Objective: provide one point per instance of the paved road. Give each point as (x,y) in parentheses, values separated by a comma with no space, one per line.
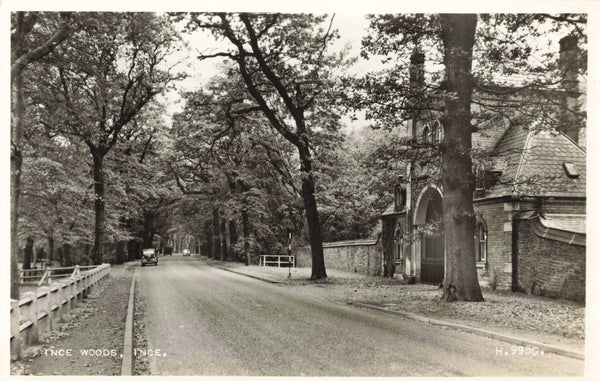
(209,321)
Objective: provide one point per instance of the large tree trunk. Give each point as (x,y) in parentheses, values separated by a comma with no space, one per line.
(224,246)
(40,256)
(232,238)
(28,253)
(149,231)
(209,239)
(66,255)
(216,234)
(133,250)
(16,162)
(98,206)
(50,248)
(246,232)
(119,252)
(460,283)
(312,216)
(16,156)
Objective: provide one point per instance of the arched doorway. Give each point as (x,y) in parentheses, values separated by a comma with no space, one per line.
(430,217)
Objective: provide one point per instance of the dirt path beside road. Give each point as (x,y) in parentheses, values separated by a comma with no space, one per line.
(90,341)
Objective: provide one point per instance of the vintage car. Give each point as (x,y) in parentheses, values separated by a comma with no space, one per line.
(149,256)
(186,252)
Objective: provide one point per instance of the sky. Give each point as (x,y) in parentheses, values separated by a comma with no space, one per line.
(352,27)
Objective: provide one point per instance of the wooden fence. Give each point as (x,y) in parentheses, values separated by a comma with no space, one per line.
(40,311)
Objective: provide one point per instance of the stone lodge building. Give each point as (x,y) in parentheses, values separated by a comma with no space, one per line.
(530,206)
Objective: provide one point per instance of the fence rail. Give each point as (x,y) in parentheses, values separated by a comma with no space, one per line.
(40,310)
(40,276)
(287,260)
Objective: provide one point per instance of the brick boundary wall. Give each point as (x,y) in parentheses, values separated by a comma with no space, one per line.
(549,267)
(359,256)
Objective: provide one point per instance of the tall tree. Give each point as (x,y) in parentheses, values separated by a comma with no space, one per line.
(458,37)
(219,159)
(27,46)
(494,56)
(287,70)
(98,83)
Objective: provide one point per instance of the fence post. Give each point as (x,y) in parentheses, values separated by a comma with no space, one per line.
(44,277)
(43,310)
(65,300)
(30,315)
(16,341)
(54,306)
(79,289)
(84,285)
(73,293)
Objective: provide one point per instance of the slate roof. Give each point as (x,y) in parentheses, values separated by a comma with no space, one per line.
(535,164)
(486,139)
(532,163)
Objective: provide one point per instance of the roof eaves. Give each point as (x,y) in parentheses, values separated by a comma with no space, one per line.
(572,238)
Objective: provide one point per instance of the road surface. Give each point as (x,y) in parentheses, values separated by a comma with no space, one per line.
(206,321)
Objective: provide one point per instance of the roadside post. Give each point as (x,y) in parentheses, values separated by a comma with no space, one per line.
(289,250)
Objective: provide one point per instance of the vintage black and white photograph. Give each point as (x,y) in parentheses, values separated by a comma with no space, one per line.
(306,193)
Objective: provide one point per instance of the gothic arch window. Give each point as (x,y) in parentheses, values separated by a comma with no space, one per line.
(481,238)
(426,134)
(436,132)
(399,244)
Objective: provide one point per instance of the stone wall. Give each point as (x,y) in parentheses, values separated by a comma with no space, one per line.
(498,215)
(549,267)
(359,256)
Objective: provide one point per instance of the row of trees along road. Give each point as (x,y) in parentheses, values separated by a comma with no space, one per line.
(219,157)
(239,172)
(287,70)
(260,144)
(83,78)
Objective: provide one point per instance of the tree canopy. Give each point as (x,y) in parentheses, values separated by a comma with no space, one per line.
(101,166)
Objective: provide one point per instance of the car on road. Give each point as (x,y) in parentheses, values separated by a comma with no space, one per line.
(168,250)
(186,252)
(149,256)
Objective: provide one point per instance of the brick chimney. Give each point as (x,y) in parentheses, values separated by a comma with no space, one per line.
(417,67)
(567,61)
(417,85)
